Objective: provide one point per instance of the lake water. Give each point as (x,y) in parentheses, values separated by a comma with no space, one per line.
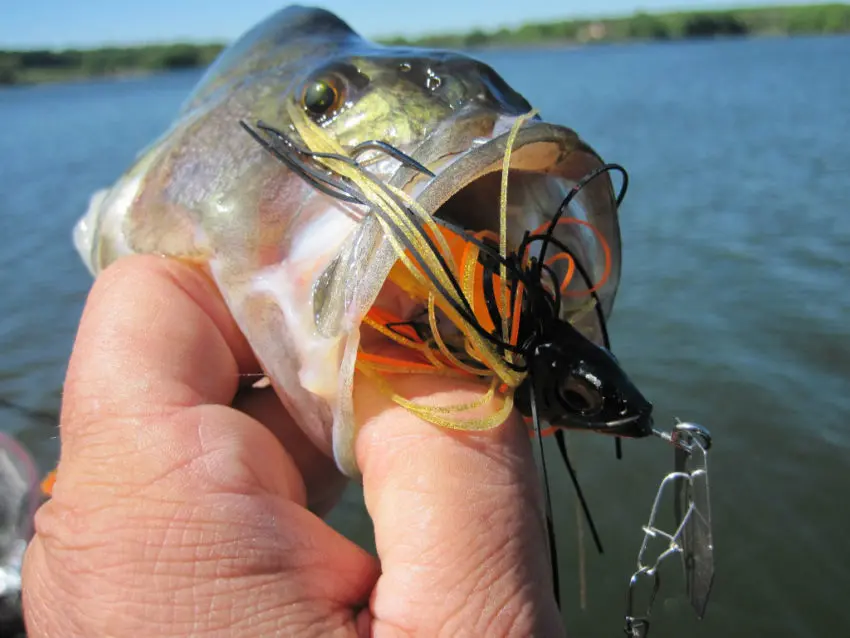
(734,308)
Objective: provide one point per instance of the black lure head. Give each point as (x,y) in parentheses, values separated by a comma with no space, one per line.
(581,386)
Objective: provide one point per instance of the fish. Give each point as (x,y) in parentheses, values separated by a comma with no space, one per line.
(385,210)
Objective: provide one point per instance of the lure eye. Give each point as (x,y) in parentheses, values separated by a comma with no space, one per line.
(320,97)
(580,396)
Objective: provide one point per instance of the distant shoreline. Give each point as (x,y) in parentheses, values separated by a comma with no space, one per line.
(37,79)
(44,66)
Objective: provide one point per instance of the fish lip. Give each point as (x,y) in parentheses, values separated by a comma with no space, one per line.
(559,152)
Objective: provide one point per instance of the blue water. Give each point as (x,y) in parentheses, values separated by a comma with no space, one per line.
(734,308)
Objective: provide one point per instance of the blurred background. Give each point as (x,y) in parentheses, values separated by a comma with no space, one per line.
(734,306)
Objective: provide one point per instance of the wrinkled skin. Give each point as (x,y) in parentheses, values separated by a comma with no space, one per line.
(180,503)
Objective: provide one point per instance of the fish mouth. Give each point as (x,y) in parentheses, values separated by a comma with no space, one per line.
(547,162)
(539,148)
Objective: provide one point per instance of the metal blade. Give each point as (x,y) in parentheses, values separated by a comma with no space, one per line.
(691,456)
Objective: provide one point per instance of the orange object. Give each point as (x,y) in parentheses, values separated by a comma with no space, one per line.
(605,249)
(463,252)
(544,432)
(48,482)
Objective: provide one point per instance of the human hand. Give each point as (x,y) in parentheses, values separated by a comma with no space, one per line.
(180,506)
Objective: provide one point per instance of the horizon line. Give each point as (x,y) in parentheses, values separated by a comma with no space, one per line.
(701,7)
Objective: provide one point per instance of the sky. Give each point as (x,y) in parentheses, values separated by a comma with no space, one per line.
(28,24)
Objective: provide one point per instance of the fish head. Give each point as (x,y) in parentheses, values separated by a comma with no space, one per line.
(453,114)
(580,385)
(401,96)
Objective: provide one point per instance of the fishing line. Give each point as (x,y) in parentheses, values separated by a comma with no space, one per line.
(550,519)
(562,448)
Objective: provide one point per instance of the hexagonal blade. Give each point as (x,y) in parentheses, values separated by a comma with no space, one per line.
(696,538)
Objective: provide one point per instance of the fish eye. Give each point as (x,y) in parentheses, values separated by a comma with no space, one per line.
(320,97)
(580,396)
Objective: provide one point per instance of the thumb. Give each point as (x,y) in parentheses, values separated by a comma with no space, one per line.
(458,521)
(174,514)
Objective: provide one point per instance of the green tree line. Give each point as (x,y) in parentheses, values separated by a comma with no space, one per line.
(780,20)
(40,66)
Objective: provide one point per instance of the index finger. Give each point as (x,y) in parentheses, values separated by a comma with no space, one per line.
(458,520)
